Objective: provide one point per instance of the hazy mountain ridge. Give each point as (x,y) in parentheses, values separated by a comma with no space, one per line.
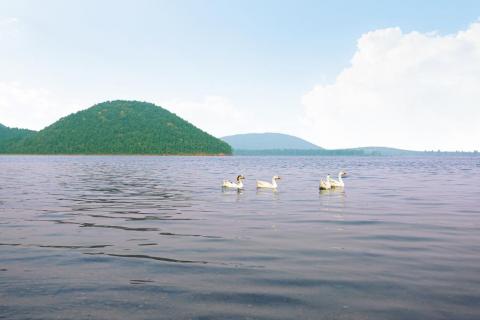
(246,144)
(268,141)
(367,151)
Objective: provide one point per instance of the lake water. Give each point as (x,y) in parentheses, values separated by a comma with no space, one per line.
(156,238)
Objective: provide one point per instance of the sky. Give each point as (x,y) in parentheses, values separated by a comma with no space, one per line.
(340,74)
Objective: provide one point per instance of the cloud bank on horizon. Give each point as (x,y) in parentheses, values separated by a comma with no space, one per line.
(412,90)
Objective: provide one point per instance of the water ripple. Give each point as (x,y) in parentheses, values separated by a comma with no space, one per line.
(157,238)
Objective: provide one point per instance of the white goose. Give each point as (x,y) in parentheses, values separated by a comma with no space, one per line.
(325,184)
(234,185)
(265,184)
(338,183)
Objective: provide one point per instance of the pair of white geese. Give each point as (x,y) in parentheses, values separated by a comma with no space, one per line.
(327,184)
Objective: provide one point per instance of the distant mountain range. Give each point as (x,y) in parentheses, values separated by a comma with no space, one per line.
(268,141)
(115,127)
(282,144)
(133,127)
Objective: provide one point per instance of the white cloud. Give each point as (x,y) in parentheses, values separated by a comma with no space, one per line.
(8,27)
(216,115)
(8,21)
(410,90)
(32,108)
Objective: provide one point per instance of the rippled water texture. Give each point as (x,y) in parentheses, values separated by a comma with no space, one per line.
(157,238)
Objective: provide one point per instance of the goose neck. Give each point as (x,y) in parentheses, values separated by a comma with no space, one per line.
(274,182)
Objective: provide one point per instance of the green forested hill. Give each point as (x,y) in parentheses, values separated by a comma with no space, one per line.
(121,127)
(10,136)
(7,133)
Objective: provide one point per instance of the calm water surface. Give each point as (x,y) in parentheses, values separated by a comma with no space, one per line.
(157,238)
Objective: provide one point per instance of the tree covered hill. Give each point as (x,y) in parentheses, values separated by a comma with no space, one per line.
(7,133)
(121,127)
(10,136)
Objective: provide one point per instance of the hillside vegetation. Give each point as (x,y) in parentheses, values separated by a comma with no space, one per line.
(10,136)
(120,127)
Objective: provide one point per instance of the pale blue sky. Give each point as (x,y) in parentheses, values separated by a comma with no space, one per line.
(259,57)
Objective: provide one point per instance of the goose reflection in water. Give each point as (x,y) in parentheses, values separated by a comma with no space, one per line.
(230,193)
(268,193)
(339,192)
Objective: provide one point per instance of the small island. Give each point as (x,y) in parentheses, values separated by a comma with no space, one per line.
(115,127)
